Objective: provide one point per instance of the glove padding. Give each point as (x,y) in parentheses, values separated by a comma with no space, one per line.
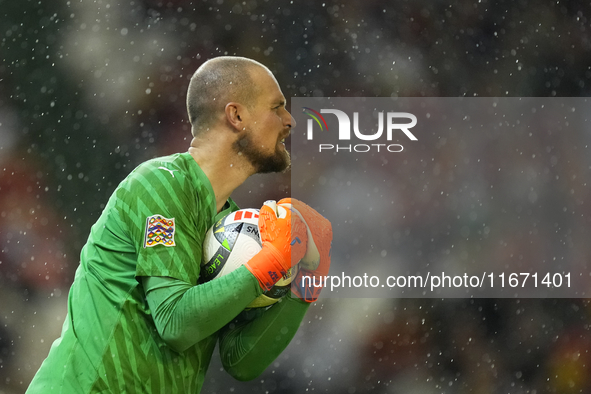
(284,239)
(315,262)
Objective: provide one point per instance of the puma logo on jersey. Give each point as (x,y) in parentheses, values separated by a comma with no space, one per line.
(167,169)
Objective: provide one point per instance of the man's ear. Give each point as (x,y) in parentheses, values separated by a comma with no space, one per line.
(235,113)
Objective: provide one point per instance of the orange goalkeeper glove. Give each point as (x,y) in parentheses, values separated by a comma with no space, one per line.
(316,261)
(284,238)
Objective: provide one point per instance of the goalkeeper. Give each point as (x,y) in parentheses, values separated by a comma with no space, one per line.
(138,321)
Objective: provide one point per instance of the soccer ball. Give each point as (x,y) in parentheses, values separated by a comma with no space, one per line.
(230,243)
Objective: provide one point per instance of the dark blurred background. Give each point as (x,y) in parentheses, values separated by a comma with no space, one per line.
(89,89)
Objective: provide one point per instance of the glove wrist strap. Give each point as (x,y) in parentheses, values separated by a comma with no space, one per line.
(268,266)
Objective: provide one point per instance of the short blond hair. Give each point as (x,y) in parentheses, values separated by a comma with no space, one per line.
(217,82)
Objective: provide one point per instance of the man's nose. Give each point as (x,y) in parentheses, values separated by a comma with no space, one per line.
(290,120)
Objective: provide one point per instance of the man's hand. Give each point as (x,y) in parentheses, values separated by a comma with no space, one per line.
(284,238)
(315,263)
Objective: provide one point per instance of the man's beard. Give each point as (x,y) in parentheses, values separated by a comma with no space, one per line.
(278,161)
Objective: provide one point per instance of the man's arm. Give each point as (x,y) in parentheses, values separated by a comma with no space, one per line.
(247,348)
(185,314)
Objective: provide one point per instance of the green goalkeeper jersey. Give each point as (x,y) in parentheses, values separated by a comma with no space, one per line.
(153,226)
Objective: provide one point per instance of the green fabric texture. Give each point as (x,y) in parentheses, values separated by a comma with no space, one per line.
(249,343)
(154,225)
(185,314)
(248,347)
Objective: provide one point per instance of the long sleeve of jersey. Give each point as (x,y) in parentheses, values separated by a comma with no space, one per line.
(249,345)
(186,314)
(249,342)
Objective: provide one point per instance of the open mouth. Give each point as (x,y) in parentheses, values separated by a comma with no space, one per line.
(282,140)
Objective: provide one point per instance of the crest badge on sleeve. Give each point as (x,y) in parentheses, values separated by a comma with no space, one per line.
(159,231)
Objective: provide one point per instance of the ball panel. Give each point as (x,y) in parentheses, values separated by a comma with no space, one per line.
(214,266)
(228,234)
(247,215)
(244,249)
(252,231)
(232,242)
